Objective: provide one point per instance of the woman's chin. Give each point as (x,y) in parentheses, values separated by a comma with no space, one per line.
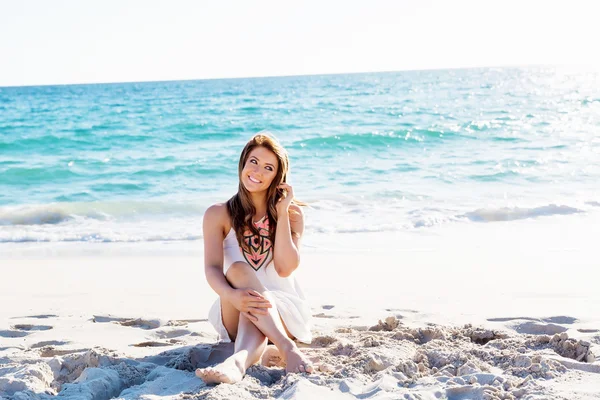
(253,189)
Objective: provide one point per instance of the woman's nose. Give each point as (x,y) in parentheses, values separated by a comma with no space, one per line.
(256,170)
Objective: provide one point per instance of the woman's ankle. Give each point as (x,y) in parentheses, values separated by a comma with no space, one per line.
(286,345)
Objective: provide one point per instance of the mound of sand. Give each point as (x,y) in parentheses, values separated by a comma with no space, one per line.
(387,360)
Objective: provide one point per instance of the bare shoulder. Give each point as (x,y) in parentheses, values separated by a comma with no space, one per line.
(217,210)
(216,215)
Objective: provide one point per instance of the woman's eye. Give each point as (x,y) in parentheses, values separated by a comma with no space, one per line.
(269,168)
(253,161)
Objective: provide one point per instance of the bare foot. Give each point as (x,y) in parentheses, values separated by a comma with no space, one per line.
(229,371)
(297,362)
(271,357)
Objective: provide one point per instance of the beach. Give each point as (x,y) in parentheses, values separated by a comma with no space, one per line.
(482,315)
(449,249)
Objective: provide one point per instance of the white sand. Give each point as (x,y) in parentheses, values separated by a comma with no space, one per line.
(473,311)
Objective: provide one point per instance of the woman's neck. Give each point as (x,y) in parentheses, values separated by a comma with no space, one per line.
(259,201)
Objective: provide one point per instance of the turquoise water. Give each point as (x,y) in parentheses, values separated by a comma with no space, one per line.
(370,152)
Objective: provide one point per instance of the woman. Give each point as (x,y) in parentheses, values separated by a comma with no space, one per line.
(251,249)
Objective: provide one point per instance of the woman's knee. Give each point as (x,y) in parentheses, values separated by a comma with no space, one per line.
(240,274)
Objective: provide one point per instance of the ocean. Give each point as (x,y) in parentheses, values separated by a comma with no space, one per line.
(373,152)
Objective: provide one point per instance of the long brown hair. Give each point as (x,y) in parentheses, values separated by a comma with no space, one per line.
(240,207)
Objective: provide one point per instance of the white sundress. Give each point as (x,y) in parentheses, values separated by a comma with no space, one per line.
(289,299)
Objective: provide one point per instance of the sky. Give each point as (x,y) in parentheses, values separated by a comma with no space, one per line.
(73,41)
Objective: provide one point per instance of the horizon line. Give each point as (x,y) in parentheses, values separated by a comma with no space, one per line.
(286,76)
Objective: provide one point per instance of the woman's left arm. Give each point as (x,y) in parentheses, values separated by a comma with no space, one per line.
(290,227)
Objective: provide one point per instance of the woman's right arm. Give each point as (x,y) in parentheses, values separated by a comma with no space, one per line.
(213,230)
(248,301)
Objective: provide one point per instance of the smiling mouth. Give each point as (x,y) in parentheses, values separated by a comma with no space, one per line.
(253,180)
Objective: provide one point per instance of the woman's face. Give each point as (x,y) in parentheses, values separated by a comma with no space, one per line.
(259,170)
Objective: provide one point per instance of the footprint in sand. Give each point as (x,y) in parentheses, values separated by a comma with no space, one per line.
(406,310)
(507,319)
(22,330)
(133,322)
(142,323)
(164,334)
(28,327)
(152,344)
(323,315)
(10,347)
(40,316)
(536,328)
(559,319)
(49,343)
(52,352)
(183,322)
(13,334)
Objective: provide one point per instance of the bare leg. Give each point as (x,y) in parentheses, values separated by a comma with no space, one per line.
(251,336)
(249,346)
(241,275)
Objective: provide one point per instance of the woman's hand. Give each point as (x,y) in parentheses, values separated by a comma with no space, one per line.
(284,202)
(249,302)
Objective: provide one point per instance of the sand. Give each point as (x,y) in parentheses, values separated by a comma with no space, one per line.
(471,312)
